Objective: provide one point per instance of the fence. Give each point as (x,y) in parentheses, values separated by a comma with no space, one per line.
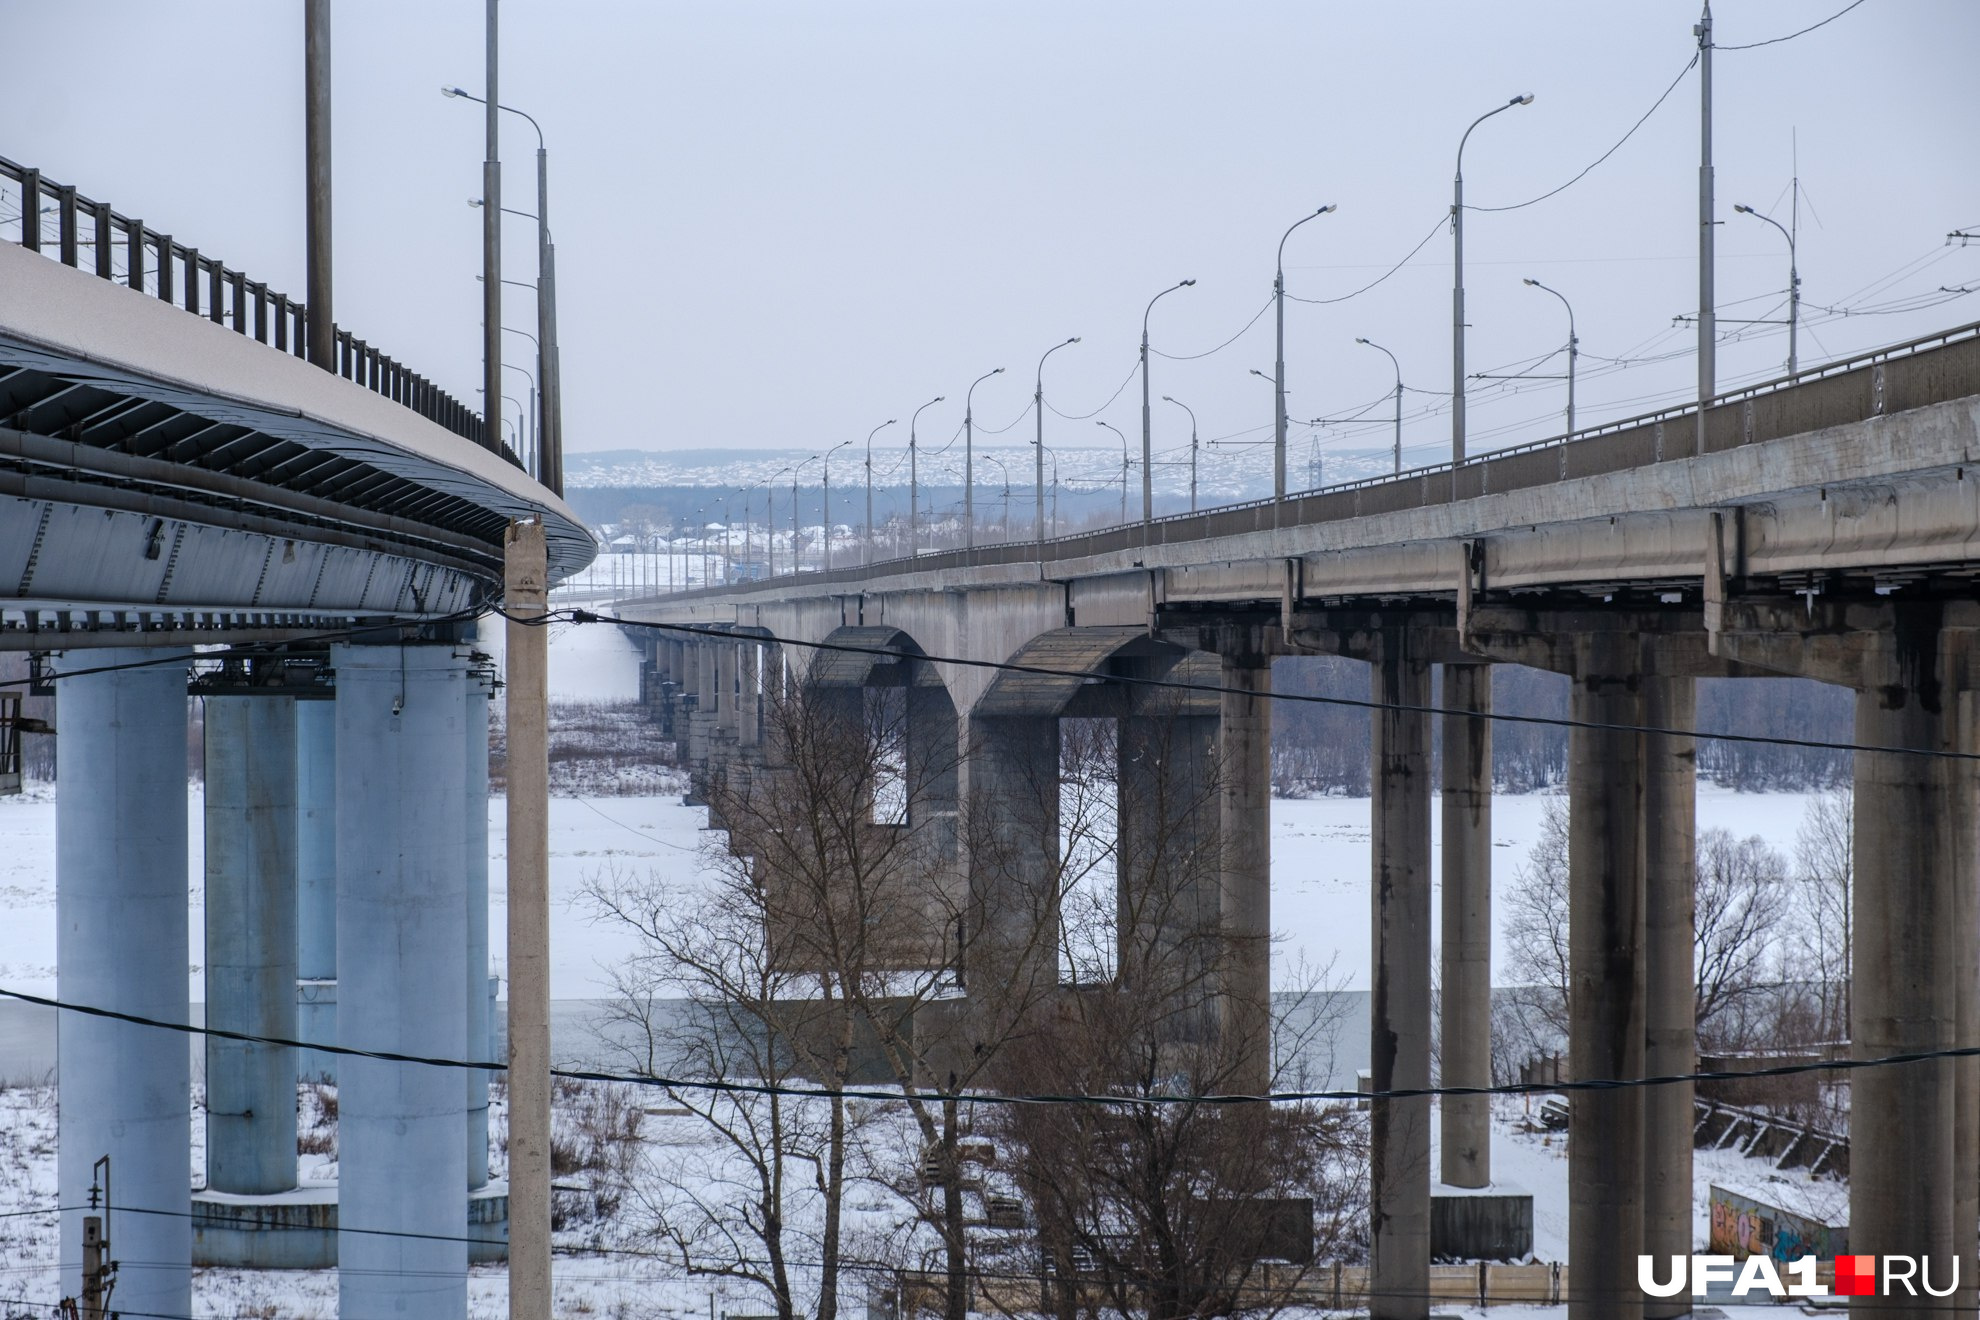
(128,252)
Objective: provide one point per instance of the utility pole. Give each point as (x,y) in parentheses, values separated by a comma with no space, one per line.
(1708,371)
(491,252)
(99,1271)
(526,595)
(321,337)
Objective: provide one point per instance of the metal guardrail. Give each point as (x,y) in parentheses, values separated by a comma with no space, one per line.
(1930,369)
(126,251)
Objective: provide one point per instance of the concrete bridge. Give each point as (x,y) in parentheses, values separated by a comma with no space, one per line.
(1820,525)
(174,474)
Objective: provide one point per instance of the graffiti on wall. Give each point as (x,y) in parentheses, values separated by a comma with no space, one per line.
(1742,1227)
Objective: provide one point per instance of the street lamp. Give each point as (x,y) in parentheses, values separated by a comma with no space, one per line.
(1192,443)
(914,479)
(1794,283)
(1038,407)
(1147,445)
(1124,467)
(1457,289)
(1004,525)
(1574,349)
(969,458)
(797,562)
(770,524)
(825,499)
(1279,370)
(550,448)
(1398,366)
(866,553)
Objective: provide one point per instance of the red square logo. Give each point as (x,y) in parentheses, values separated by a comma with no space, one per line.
(1856,1276)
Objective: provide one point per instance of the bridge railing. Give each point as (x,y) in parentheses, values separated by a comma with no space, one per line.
(60,222)
(1931,369)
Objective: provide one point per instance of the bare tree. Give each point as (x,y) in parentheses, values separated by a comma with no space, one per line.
(1825,875)
(1741,894)
(1532,1017)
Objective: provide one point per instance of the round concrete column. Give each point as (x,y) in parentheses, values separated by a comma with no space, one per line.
(1670,883)
(402,980)
(1606,977)
(121,942)
(1399,1006)
(1466,1020)
(250,942)
(1245,885)
(316,885)
(480,994)
(1904,1000)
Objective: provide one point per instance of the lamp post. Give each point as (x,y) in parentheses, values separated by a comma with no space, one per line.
(797,561)
(1279,368)
(1147,443)
(1124,468)
(1038,409)
(770,523)
(825,499)
(1004,513)
(914,480)
(969,458)
(1574,349)
(535,418)
(550,456)
(866,551)
(1794,282)
(1398,366)
(1192,444)
(1457,289)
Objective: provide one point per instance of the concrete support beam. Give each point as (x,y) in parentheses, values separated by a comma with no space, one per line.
(316,886)
(402,980)
(749,697)
(1011,924)
(1245,825)
(121,936)
(1466,1018)
(480,987)
(1910,818)
(1168,857)
(251,948)
(1399,1008)
(1670,879)
(727,654)
(1606,977)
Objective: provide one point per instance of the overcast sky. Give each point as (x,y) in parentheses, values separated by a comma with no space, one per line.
(781,224)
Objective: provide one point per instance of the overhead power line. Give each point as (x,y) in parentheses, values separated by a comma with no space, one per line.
(1772,41)
(580,615)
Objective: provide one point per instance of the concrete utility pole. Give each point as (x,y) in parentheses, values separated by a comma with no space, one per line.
(526,595)
(1399,388)
(866,553)
(1457,287)
(969,458)
(1147,442)
(321,341)
(1038,408)
(914,481)
(1708,370)
(1279,363)
(491,254)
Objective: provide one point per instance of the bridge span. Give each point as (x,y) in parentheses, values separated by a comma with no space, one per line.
(1825,525)
(174,474)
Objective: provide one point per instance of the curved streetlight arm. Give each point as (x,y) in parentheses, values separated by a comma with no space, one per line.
(1564,302)
(1281,263)
(1040,380)
(466,95)
(1378,348)
(1185,407)
(1527,99)
(1157,298)
(969,395)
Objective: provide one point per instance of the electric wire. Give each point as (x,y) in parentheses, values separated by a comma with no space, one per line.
(578,615)
(1191,357)
(1109,1100)
(1516,206)
(1407,257)
(1085,416)
(1771,41)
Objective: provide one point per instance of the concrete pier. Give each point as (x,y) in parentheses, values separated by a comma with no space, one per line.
(316,885)
(727,654)
(1168,863)
(1904,956)
(251,945)
(402,980)
(749,695)
(1399,1007)
(1012,918)
(480,992)
(1670,880)
(1245,825)
(1465,1020)
(121,942)
(1606,978)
